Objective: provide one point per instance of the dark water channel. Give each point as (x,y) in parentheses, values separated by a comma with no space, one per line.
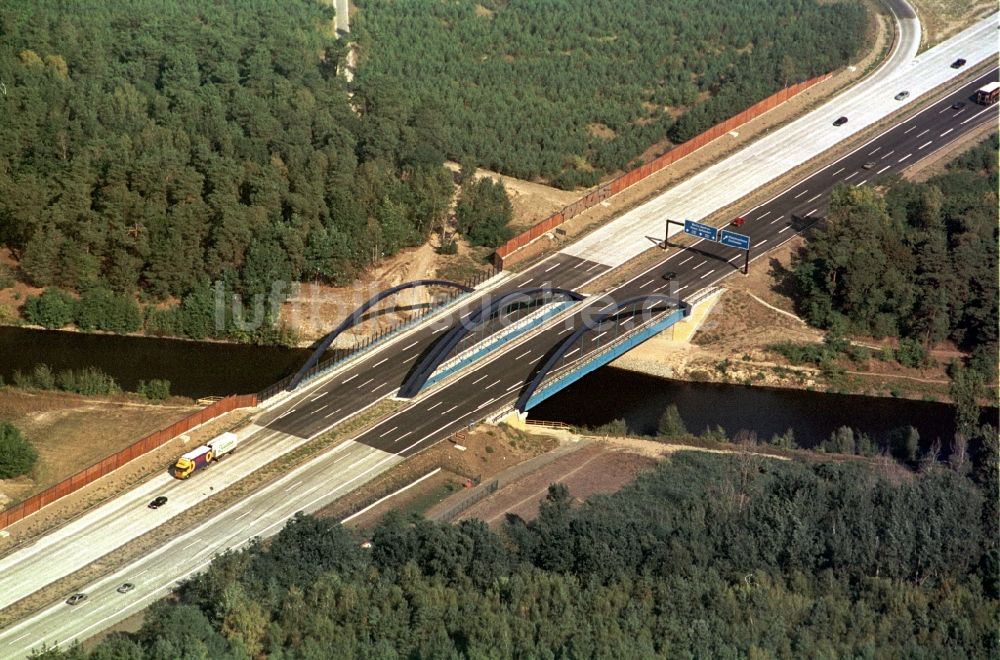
(193,368)
(199,369)
(609,394)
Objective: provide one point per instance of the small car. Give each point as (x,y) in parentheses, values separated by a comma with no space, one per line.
(840,121)
(158,502)
(958,105)
(125,588)
(669,275)
(738,221)
(902,95)
(76,598)
(958,64)
(867,166)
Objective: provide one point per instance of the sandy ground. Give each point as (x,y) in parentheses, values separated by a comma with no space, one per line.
(72,432)
(487,451)
(941,19)
(594,469)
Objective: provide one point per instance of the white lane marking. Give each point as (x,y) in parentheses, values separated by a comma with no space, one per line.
(784,229)
(592,268)
(319,396)
(141,573)
(873,150)
(496,382)
(686,260)
(284,414)
(562,332)
(378,386)
(701,264)
(435,406)
(908,130)
(801,193)
(708,273)
(402,436)
(858,185)
(643,286)
(322,409)
(988,108)
(733,259)
(946,132)
(761,243)
(389,431)
(406,348)
(333,413)
(923,133)
(19,638)
(195,542)
(245,513)
(293,486)
(883,169)
(306,492)
(345,382)
(765,214)
(944,109)
(904,157)
(659,288)
(514,386)
(364,383)
(809,214)
(527,281)
(596,337)
(850,175)
(441,330)
(486,403)
(385,359)
(838,171)
(555,265)
(571,352)
(813,199)
(521,355)
(778,219)
(682,288)
(924,144)
(450,409)
(887,154)
(480,378)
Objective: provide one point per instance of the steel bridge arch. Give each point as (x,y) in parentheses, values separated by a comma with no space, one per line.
(355,317)
(563,347)
(423,371)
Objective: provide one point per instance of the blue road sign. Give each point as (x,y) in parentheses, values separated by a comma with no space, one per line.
(732,239)
(700,230)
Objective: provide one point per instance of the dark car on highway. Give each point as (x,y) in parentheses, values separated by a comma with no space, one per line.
(902,95)
(125,588)
(158,502)
(958,64)
(958,105)
(669,275)
(840,121)
(76,598)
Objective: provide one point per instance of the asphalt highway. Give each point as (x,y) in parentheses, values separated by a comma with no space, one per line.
(492,384)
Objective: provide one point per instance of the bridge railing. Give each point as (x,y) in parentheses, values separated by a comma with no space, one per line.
(342,355)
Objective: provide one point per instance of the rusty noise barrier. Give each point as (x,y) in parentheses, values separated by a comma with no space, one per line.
(114,461)
(632,177)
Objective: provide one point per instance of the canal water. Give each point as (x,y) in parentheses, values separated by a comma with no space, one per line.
(609,394)
(198,369)
(194,369)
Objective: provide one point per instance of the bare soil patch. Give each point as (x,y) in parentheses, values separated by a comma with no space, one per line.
(72,432)
(487,451)
(594,469)
(941,19)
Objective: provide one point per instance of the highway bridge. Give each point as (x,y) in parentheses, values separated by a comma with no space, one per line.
(492,383)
